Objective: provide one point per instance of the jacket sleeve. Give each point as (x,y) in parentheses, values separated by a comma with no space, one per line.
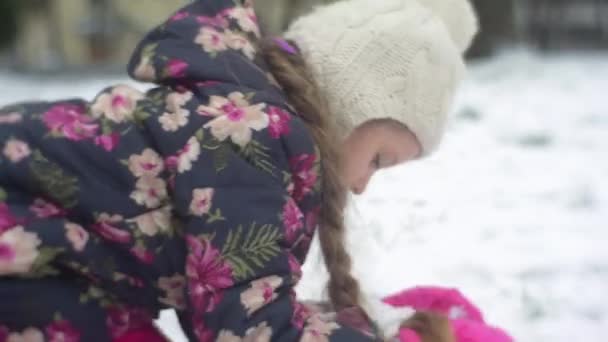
(243,177)
(243,228)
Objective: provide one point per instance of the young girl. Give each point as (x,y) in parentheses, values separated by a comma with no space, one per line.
(203,193)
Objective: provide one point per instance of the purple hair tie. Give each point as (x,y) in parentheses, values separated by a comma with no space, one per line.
(283,44)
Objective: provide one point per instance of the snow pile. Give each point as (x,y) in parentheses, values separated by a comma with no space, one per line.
(512,210)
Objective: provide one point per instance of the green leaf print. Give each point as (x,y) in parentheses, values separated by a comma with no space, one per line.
(200,135)
(149,50)
(53,181)
(215,216)
(41,266)
(220,157)
(255,153)
(258,247)
(2,195)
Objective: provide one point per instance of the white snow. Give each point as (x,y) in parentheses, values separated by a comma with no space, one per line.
(513,209)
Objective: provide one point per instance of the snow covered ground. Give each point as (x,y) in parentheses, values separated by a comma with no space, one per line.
(513,210)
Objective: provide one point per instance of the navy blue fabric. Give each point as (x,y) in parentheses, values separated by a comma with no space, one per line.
(200,195)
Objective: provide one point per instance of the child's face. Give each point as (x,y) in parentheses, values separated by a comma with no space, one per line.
(373,146)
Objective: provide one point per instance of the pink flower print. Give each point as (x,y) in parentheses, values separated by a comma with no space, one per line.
(62,331)
(303,174)
(118,105)
(217,21)
(143,255)
(292,219)
(208,275)
(201,331)
(16,150)
(260,293)
(279,122)
(179,16)
(122,319)
(234,118)
(3,333)
(148,163)
(201,201)
(176,68)
(105,227)
(7,220)
(44,209)
(11,118)
(70,121)
(108,141)
(77,236)
(149,191)
(18,251)
(300,314)
(211,40)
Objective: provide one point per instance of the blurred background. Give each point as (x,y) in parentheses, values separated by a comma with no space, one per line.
(53,35)
(513,209)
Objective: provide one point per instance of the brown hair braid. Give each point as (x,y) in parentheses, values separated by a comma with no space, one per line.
(291,72)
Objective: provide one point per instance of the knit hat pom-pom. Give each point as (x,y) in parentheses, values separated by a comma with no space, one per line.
(459,18)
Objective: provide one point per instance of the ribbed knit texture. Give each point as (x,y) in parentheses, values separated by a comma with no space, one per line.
(394,59)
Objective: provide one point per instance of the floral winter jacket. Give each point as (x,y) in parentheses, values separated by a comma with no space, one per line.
(200,195)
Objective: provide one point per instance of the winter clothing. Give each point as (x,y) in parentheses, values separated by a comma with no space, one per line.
(398,59)
(200,195)
(466,320)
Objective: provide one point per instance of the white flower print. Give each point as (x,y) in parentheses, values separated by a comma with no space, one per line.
(211,40)
(235,118)
(77,236)
(154,222)
(18,251)
(148,163)
(16,150)
(201,201)
(149,191)
(261,292)
(238,41)
(118,105)
(28,335)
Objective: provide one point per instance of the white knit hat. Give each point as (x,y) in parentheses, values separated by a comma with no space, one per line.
(399,59)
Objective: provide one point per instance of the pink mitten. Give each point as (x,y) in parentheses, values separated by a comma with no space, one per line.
(466,319)
(446,301)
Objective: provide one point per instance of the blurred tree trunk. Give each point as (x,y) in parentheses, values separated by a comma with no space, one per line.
(497,22)
(8,22)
